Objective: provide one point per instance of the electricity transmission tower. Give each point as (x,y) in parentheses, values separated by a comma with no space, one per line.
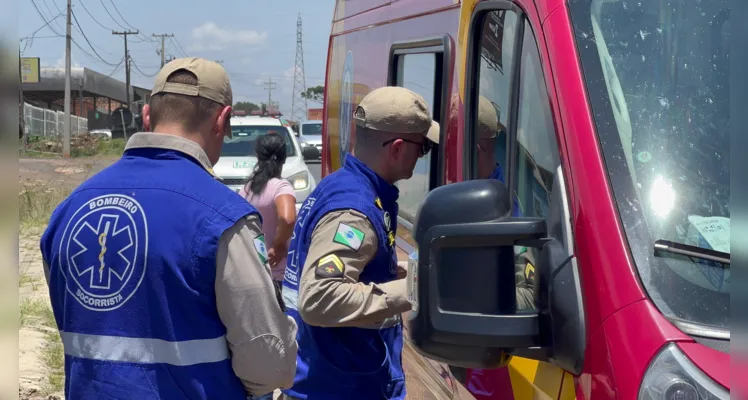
(298,103)
(269,86)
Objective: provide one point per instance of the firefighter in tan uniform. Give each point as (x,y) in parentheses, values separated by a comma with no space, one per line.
(343,284)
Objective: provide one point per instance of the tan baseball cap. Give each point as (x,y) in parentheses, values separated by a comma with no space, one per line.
(212,80)
(395,109)
(488,119)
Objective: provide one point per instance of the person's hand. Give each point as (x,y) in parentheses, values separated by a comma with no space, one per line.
(402,269)
(277,253)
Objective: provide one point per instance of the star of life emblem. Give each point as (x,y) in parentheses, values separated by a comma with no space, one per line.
(103,252)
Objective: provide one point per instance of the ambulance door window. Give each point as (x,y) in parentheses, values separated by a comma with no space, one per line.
(536,152)
(491,109)
(418,72)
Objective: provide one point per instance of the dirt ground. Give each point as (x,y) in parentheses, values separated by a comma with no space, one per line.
(39,348)
(40,375)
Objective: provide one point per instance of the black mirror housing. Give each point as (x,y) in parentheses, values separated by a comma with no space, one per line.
(462,284)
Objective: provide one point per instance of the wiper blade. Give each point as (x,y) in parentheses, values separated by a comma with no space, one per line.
(667,246)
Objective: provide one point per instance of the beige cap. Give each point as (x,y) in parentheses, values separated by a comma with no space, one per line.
(212,80)
(488,119)
(395,109)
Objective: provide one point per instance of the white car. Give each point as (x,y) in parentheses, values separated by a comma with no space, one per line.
(238,156)
(310,134)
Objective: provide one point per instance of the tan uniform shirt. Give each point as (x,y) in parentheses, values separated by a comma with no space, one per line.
(339,299)
(260,337)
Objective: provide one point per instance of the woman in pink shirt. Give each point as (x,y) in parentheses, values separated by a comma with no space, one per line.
(274,198)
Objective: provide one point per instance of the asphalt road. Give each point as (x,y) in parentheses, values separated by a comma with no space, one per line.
(316,169)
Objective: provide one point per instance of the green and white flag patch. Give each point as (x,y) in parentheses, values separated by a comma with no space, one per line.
(261,248)
(349,236)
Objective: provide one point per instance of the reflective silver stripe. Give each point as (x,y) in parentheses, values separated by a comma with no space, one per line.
(290,298)
(145,351)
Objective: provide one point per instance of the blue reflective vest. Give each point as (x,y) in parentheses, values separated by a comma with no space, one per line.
(347,363)
(132,257)
(498,174)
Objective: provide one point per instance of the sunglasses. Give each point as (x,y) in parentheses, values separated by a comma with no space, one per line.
(425,146)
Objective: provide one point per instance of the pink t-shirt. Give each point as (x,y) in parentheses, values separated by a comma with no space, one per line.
(265,204)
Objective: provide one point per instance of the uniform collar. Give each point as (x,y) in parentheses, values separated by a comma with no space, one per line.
(387,192)
(151,140)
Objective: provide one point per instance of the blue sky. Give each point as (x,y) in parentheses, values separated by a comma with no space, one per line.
(256,39)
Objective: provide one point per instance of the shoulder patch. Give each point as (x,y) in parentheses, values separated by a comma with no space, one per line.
(261,248)
(529,271)
(378,203)
(349,236)
(329,266)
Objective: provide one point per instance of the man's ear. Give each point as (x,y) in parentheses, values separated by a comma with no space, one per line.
(223,120)
(147,118)
(397,148)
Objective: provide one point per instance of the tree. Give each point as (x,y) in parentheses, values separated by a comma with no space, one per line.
(316,94)
(246,106)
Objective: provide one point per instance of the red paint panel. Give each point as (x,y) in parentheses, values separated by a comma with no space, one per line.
(598,380)
(630,350)
(394,13)
(347,8)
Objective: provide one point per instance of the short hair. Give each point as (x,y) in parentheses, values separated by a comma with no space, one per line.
(189,111)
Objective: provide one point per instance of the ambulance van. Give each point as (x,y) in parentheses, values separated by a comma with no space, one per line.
(603,186)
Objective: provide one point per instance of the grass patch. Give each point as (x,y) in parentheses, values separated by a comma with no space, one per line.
(25,279)
(53,357)
(37,312)
(80,146)
(99,147)
(36,204)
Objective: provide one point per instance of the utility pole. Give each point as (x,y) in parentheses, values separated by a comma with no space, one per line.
(269,86)
(66,108)
(163,37)
(127,62)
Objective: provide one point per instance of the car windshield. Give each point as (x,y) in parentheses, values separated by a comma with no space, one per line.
(657,74)
(244,139)
(311,129)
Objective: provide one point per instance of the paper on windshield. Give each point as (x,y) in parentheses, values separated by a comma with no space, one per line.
(710,232)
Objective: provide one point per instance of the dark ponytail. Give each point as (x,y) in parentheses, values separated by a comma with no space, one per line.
(271,155)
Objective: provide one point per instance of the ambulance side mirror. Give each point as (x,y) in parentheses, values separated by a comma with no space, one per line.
(462,283)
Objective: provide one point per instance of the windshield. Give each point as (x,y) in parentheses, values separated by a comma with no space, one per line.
(311,129)
(244,138)
(657,73)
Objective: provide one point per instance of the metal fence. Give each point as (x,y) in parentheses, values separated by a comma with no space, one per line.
(50,123)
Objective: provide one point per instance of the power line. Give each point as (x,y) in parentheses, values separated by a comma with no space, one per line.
(44,18)
(175,40)
(89,42)
(50,10)
(120,15)
(116,69)
(30,39)
(145,38)
(111,16)
(141,72)
(92,17)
